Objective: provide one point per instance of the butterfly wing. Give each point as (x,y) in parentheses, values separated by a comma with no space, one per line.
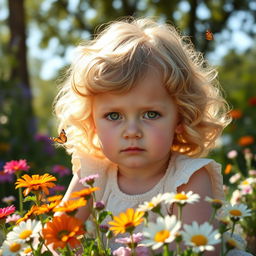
(209,35)
(62,138)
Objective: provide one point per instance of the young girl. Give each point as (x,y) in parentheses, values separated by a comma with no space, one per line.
(139,107)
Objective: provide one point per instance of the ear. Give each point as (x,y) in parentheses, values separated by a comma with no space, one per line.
(179,129)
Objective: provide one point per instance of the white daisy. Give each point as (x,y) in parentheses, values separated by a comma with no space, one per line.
(12,248)
(148,206)
(200,237)
(216,203)
(181,198)
(234,241)
(163,231)
(27,251)
(25,231)
(236,211)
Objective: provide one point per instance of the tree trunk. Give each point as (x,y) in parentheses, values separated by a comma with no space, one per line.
(22,119)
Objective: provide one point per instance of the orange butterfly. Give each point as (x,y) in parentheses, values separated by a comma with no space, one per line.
(209,35)
(62,138)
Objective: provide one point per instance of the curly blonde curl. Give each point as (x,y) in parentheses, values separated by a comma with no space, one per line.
(117,59)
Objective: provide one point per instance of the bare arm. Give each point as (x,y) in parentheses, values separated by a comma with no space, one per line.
(200,212)
(83,212)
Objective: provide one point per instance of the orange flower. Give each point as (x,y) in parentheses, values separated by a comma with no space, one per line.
(54,198)
(236,113)
(246,140)
(35,183)
(228,169)
(126,222)
(71,205)
(28,214)
(63,230)
(84,192)
(45,208)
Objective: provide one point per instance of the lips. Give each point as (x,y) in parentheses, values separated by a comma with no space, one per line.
(132,149)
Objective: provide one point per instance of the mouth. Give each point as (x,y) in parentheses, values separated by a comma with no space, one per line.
(132,149)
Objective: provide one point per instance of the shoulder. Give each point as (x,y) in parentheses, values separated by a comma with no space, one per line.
(198,172)
(199,182)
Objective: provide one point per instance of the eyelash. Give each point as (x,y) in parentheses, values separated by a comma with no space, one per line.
(107,115)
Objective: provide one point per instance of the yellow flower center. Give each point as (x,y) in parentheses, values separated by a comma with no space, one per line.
(217,201)
(245,182)
(25,234)
(128,225)
(150,204)
(27,250)
(62,234)
(235,212)
(15,247)
(199,240)
(231,243)
(162,235)
(181,196)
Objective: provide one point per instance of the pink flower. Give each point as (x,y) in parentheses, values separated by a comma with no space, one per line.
(15,166)
(89,179)
(122,251)
(138,237)
(12,218)
(8,199)
(126,251)
(61,170)
(252,172)
(236,197)
(4,212)
(233,179)
(232,154)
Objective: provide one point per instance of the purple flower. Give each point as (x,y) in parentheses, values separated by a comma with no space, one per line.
(5,177)
(61,170)
(89,179)
(99,205)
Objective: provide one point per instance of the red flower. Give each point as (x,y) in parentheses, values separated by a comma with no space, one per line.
(4,212)
(15,166)
(252,101)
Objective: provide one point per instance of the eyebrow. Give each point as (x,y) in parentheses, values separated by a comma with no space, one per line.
(118,108)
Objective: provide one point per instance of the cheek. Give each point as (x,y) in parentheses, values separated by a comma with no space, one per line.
(161,138)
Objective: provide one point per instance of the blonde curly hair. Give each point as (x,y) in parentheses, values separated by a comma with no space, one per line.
(117,59)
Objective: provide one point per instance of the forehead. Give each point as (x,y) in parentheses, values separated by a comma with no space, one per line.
(147,92)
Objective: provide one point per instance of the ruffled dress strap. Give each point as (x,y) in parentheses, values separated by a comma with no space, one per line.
(183,167)
(85,164)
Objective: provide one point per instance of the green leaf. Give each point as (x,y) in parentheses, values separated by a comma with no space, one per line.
(29,198)
(103,215)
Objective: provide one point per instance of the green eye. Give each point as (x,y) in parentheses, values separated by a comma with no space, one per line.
(113,116)
(152,114)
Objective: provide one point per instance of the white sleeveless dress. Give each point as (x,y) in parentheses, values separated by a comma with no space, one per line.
(178,172)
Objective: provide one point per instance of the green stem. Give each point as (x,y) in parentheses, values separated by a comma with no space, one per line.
(132,245)
(222,245)
(165,250)
(98,238)
(69,252)
(20,195)
(180,211)
(213,215)
(233,228)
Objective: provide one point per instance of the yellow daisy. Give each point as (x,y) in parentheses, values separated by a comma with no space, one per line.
(126,222)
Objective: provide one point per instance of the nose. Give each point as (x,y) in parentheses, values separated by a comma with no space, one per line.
(132,130)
